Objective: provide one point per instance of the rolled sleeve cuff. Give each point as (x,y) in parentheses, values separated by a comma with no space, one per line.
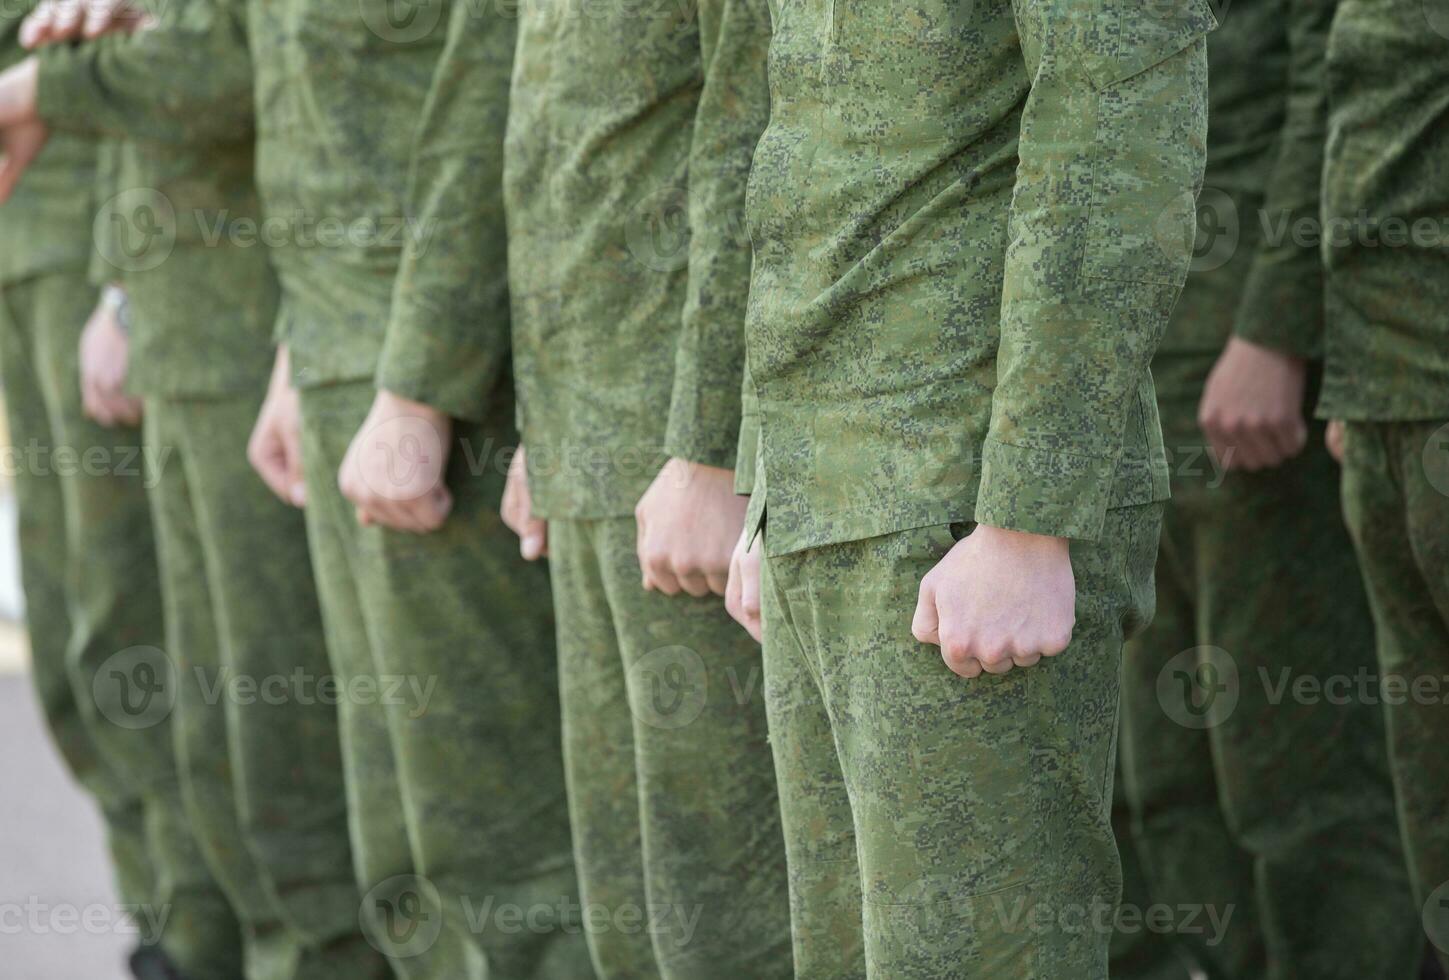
(1039,491)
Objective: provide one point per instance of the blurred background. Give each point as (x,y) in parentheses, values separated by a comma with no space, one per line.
(53,864)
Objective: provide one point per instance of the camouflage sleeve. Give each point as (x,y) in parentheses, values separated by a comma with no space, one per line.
(734,105)
(448,333)
(747,453)
(1282,302)
(11,17)
(108,176)
(1112,149)
(186,80)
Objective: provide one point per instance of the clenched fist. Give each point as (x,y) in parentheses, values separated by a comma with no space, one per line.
(688,522)
(393,471)
(999,599)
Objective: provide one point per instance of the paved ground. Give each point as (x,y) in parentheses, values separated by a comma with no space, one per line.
(58,910)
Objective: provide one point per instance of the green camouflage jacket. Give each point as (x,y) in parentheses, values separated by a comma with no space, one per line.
(971,221)
(1386,208)
(46,224)
(629,142)
(362,171)
(447,340)
(181,228)
(1256,270)
(340,91)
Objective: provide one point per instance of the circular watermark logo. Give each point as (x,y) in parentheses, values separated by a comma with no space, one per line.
(932,918)
(1436,460)
(657,232)
(1436,12)
(402,917)
(1173,229)
(407,453)
(135,231)
(1214,230)
(135,688)
(1199,687)
(401,21)
(669,687)
(1436,918)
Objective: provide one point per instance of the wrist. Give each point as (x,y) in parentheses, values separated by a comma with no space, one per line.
(18,87)
(281,369)
(1024,540)
(399,405)
(1260,348)
(695,466)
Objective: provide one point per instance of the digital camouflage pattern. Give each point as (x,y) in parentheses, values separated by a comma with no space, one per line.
(49,215)
(340,88)
(43,231)
(88,557)
(628,147)
(455,783)
(256,730)
(460,826)
(448,337)
(965,824)
(1396,501)
(92,593)
(671,789)
(1137,952)
(1253,275)
(1247,795)
(1387,371)
(1387,338)
(970,222)
(262,775)
(183,208)
(1245,813)
(629,144)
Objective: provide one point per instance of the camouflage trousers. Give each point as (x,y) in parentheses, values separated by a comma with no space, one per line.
(941,828)
(671,790)
(93,603)
(255,719)
(450,725)
(1140,950)
(1396,499)
(1260,794)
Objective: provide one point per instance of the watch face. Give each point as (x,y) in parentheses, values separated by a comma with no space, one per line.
(123,314)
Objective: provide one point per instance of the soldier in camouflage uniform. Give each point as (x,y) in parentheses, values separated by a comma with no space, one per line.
(257,747)
(1273,809)
(629,143)
(397,333)
(970,222)
(90,573)
(1386,377)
